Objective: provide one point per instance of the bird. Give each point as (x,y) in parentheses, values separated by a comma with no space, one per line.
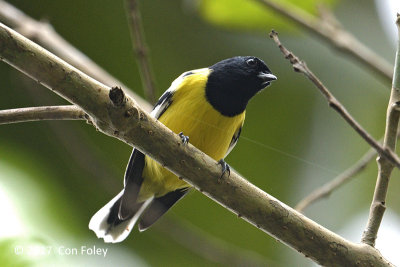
(206,107)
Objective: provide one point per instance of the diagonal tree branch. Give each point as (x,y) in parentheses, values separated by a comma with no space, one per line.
(378,205)
(329,29)
(139,45)
(326,189)
(46,35)
(70,112)
(117,115)
(300,66)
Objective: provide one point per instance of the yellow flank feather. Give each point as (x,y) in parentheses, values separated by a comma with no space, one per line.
(192,114)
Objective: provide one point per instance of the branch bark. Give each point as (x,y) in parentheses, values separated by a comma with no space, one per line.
(72,112)
(378,205)
(117,115)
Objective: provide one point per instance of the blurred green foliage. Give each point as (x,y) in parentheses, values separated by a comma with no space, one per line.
(252,15)
(56,175)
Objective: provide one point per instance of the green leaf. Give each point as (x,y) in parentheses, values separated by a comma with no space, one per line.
(252,15)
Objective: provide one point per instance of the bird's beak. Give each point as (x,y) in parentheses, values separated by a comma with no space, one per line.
(267,77)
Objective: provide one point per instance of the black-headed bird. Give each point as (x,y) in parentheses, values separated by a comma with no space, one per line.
(206,105)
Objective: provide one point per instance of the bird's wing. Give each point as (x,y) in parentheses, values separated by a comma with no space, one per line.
(133,181)
(133,174)
(234,140)
(162,104)
(159,206)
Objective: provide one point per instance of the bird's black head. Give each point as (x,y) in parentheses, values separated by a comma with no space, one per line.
(233,81)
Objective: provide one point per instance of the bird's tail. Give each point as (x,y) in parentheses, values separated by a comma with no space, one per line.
(107,225)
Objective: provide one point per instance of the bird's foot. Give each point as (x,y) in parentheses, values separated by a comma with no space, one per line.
(225,167)
(185,139)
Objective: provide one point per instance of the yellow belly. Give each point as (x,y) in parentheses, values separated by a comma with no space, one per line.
(207,129)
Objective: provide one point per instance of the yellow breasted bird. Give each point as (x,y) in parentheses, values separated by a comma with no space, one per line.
(208,105)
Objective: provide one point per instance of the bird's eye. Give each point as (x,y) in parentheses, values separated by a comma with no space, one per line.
(251,62)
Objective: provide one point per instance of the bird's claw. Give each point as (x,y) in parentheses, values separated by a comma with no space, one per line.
(225,167)
(185,139)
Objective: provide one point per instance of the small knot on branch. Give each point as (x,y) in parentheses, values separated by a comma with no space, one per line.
(117,96)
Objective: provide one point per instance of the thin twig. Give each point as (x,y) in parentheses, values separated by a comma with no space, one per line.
(326,189)
(126,121)
(330,30)
(140,47)
(300,66)
(70,112)
(378,205)
(329,187)
(43,33)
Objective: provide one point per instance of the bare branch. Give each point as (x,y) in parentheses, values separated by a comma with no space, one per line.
(329,187)
(378,205)
(329,29)
(140,47)
(44,34)
(117,115)
(70,112)
(300,66)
